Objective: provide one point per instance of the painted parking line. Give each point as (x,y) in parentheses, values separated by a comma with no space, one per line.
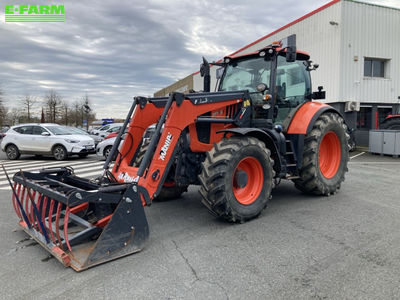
(357,155)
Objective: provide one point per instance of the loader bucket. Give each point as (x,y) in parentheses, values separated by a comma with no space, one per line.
(79,222)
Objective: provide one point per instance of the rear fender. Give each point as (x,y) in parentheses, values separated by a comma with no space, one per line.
(262,136)
(301,123)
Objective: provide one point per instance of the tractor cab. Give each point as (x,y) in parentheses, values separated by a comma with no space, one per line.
(276,84)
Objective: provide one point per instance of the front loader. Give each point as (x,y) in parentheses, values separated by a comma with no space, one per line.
(259,127)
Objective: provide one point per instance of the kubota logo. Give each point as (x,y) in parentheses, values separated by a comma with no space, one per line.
(164,148)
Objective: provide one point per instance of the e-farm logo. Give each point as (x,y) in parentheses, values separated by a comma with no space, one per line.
(34,13)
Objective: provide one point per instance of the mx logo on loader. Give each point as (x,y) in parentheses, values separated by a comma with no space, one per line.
(164,148)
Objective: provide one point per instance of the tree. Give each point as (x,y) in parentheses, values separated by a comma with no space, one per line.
(42,119)
(14,116)
(65,109)
(77,112)
(28,102)
(3,111)
(53,101)
(86,109)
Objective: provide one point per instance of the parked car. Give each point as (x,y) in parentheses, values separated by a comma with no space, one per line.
(104,128)
(3,131)
(45,139)
(77,130)
(97,139)
(113,129)
(111,135)
(103,148)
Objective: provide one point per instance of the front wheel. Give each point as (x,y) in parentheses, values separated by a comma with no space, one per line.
(237,178)
(325,156)
(59,152)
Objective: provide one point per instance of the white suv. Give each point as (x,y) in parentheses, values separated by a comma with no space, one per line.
(42,139)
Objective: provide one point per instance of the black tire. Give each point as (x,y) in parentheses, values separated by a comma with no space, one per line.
(322,174)
(219,181)
(391,124)
(169,191)
(12,152)
(83,155)
(59,152)
(106,151)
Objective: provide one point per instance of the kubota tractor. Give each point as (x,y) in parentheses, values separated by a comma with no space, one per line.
(261,126)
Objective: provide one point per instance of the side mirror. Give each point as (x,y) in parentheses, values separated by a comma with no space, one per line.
(45,133)
(319,95)
(220,72)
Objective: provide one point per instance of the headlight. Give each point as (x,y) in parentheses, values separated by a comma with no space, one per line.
(71,141)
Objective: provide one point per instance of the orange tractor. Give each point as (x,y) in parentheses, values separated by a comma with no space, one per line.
(261,126)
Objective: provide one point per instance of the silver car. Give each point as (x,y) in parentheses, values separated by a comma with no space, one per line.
(103,148)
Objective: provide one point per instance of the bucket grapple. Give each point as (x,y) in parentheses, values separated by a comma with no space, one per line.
(79,222)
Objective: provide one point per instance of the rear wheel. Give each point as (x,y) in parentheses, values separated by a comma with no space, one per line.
(391,124)
(169,189)
(325,156)
(12,152)
(237,178)
(60,153)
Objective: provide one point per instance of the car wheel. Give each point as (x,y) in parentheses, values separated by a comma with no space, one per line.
(59,152)
(12,152)
(107,151)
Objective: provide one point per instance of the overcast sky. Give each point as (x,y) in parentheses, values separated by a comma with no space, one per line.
(114,50)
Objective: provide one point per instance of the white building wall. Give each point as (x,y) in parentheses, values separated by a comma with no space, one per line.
(359,30)
(316,36)
(369,31)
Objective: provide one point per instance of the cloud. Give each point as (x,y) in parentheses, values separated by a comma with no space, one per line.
(116,50)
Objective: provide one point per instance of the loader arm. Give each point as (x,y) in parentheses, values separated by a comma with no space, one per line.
(180,113)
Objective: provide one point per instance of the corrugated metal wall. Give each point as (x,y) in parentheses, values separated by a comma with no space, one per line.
(369,31)
(338,38)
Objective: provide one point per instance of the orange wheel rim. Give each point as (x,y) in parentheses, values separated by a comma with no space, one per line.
(248,193)
(329,154)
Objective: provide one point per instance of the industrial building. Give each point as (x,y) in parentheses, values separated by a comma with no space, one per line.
(356,45)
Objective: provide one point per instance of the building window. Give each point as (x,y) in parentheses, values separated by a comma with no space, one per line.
(374,67)
(364,118)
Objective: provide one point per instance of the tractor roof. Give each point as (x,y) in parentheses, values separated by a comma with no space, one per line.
(301,55)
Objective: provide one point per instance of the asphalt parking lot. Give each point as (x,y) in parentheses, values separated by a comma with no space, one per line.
(341,247)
